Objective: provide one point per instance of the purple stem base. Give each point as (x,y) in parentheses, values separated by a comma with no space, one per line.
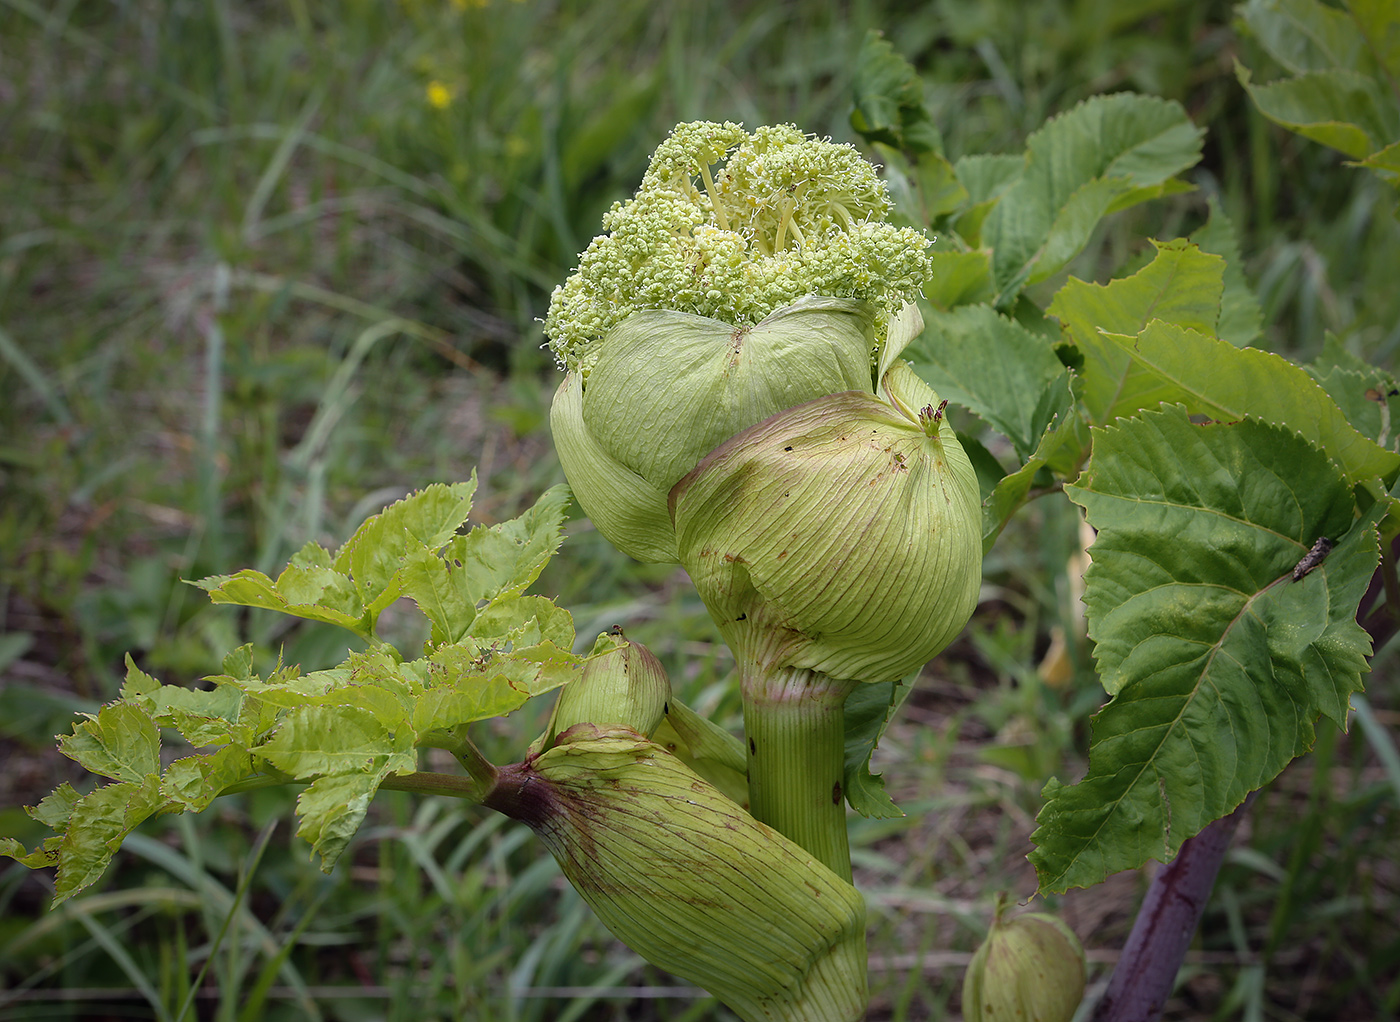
(1146,972)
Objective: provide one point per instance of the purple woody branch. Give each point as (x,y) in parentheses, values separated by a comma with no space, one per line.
(1170,913)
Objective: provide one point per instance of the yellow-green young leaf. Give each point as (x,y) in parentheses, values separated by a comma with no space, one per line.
(316,740)
(428,518)
(444,592)
(1241,315)
(202,716)
(1214,378)
(56,807)
(1181,285)
(1219,661)
(331,810)
(523,621)
(975,357)
(99,823)
(469,685)
(504,559)
(249,588)
(121,742)
(1078,166)
(192,782)
(43,856)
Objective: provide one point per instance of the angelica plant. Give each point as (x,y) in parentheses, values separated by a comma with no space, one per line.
(753,276)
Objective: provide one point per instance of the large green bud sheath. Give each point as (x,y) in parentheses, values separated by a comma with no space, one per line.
(668,387)
(690,881)
(842,536)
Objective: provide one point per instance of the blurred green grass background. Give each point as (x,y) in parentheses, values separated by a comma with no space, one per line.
(267,266)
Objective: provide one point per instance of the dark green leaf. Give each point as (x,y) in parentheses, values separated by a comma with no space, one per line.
(1104,154)
(868,711)
(975,357)
(1181,285)
(1218,661)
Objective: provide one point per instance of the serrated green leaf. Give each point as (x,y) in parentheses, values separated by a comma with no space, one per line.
(99,823)
(467,685)
(249,588)
(1181,285)
(331,810)
(1219,662)
(43,856)
(137,682)
(1128,142)
(444,592)
(1214,378)
(1304,35)
(56,807)
(192,782)
(1012,490)
(315,741)
(121,742)
(427,518)
(987,176)
(889,99)
(1367,399)
(504,559)
(1069,232)
(523,621)
(977,358)
(1340,108)
(1241,315)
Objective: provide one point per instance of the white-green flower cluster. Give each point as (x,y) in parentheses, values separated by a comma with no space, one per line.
(785,216)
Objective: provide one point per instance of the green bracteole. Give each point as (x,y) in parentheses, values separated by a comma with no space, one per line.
(689,880)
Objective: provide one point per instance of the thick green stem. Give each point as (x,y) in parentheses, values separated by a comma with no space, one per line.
(795,732)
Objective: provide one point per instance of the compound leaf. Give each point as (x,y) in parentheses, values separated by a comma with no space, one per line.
(1219,663)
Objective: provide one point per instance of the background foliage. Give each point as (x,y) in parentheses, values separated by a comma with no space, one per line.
(264,268)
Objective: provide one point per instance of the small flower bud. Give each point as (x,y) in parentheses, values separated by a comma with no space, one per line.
(622,684)
(1029,969)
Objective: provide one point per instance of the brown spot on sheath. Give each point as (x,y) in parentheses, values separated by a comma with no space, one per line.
(788,447)
(742,617)
(836,794)
(753,749)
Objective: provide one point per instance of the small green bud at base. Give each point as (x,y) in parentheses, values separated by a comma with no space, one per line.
(1029,969)
(690,881)
(621,684)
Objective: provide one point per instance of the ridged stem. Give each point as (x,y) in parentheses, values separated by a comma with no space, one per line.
(795,732)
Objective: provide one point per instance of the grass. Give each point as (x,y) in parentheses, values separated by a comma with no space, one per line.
(255,283)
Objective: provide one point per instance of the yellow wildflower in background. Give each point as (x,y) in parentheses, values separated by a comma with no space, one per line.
(438,95)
